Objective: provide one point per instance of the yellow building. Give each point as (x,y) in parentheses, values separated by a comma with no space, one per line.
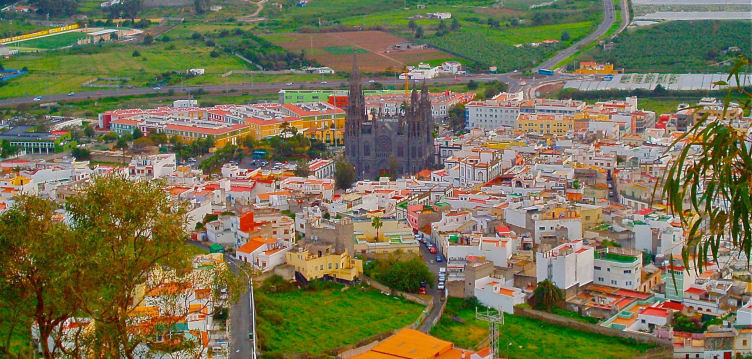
(557,125)
(590,215)
(591,68)
(315,260)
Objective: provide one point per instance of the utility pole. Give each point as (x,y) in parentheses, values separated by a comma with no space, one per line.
(495,320)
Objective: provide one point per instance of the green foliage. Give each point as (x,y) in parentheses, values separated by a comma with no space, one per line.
(334,316)
(683,323)
(136,53)
(220,157)
(457,117)
(531,338)
(277,284)
(344,173)
(55,7)
(80,154)
(148,39)
(401,274)
(547,295)
(494,88)
(663,47)
(262,52)
(714,167)
(565,36)
(376,223)
(302,169)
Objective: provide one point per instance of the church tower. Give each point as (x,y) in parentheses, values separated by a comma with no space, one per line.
(355,114)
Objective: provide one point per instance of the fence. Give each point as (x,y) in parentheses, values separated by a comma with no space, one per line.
(597,329)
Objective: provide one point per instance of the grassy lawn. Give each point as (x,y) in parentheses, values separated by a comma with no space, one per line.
(661,106)
(532,338)
(8,28)
(314,321)
(52,42)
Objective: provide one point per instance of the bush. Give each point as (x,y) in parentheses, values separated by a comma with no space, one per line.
(402,275)
(136,53)
(196,36)
(148,39)
(277,284)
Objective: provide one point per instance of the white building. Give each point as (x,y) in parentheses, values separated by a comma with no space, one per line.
(492,293)
(501,111)
(262,253)
(152,166)
(618,267)
(566,265)
(321,168)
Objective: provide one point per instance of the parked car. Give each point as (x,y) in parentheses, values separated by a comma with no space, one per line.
(439,259)
(432,250)
(422,291)
(38,98)
(324,82)
(289,84)
(71,93)
(440,286)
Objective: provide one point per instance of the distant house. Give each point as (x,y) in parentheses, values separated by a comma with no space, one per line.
(494,294)
(440,15)
(262,253)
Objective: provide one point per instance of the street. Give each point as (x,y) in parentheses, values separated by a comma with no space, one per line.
(430,259)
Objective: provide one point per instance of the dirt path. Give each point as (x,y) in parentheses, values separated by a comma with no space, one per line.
(254,17)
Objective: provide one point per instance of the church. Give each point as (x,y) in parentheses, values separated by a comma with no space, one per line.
(378,144)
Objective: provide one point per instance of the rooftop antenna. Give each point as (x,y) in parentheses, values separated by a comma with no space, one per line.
(495,320)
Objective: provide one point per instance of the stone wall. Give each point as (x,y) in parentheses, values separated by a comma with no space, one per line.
(586,327)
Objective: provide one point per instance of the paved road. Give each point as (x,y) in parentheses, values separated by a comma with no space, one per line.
(437,294)
(241,322)
(608,20)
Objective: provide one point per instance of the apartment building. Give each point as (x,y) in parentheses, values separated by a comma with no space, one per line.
(545,124)
(568,266)
(492,293)
(152,166)
(618,267)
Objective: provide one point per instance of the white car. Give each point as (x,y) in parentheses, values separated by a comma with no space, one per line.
(38,98)
(324,82)
(371,81)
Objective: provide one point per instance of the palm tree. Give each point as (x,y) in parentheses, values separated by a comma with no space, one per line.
(547,295)
(377,223)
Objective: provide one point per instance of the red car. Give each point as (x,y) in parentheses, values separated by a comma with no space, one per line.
(422,291)
(432,250)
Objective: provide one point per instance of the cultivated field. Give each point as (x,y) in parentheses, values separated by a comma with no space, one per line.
(334,49)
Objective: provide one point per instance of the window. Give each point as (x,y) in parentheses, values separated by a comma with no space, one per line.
(628,271)
(330,266)
(608,269)
(597,268)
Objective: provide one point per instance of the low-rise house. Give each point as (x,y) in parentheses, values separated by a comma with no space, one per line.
(618,267)
(494,294)
(568,266)
(262,253)
(312,260)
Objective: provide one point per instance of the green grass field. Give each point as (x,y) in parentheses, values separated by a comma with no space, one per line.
(532,338)
(52,42)
(13,28)
(63,71)
(316,321)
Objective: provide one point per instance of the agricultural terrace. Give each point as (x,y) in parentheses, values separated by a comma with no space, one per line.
(487,33)
(662,47)
(376,49)
(50,42)
(327,317)
(530,338)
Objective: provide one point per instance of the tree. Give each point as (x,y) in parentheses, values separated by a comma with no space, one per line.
(214,53)
(136,53)
(344,173)
(713,167)
(514,22)
(457,118)
(547,295)
(200,6)
(393,167)
(472,85)
(130,229)
(80,154)
(148,39)
(411,24)
(37,281)
(441,29)
(565,36)
(376,223)
(400,274)
(7,150)
(142,143)
(122,144)
(455,24)
(302,169)
(88,130)
(683,323)
(418,32)
(137,133)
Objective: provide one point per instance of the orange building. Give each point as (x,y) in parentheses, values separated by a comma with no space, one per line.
(412,344)
(590,68)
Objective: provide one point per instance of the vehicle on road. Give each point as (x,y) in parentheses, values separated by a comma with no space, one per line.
(547,72)
(371,81)
(71,93)
(442,270)
(439,259)
(324,82)
(422,291)
(38,98)
(156,88)
(432,250)
(290,84)
(440,286)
